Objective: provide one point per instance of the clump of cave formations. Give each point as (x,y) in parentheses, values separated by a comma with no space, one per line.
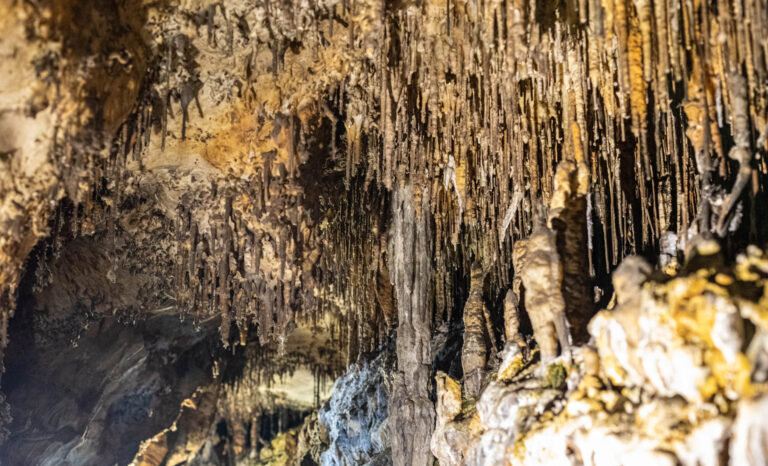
(384,232)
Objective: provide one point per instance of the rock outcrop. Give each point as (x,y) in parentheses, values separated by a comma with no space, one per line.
(356,416)
(665,380)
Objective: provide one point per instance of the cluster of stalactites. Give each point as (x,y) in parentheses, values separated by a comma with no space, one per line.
(475,103)
(241,250)
(249,250)
(94,179)
(245,247)
(352,268)
(479,101)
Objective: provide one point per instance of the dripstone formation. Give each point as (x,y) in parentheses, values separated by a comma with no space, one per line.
(383,232)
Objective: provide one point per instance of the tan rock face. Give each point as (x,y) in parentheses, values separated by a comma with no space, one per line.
(541,273)
(684,338)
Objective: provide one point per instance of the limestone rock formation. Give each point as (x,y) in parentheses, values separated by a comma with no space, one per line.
(357,415)
(473,351)
(666,382)
(518,231)
(541,274)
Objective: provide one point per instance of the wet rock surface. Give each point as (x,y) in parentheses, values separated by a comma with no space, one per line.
(96,401)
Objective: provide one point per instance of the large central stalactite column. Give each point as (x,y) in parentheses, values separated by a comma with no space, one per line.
(412,414)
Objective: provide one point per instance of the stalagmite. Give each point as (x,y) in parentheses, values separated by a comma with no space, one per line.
(568,218)
(541,273)
(450,439)
(473,351)
(512,320)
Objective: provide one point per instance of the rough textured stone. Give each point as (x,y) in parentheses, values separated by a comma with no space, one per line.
(357,414)
(412,414)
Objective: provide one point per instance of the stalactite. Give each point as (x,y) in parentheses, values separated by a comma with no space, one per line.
(740,152)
